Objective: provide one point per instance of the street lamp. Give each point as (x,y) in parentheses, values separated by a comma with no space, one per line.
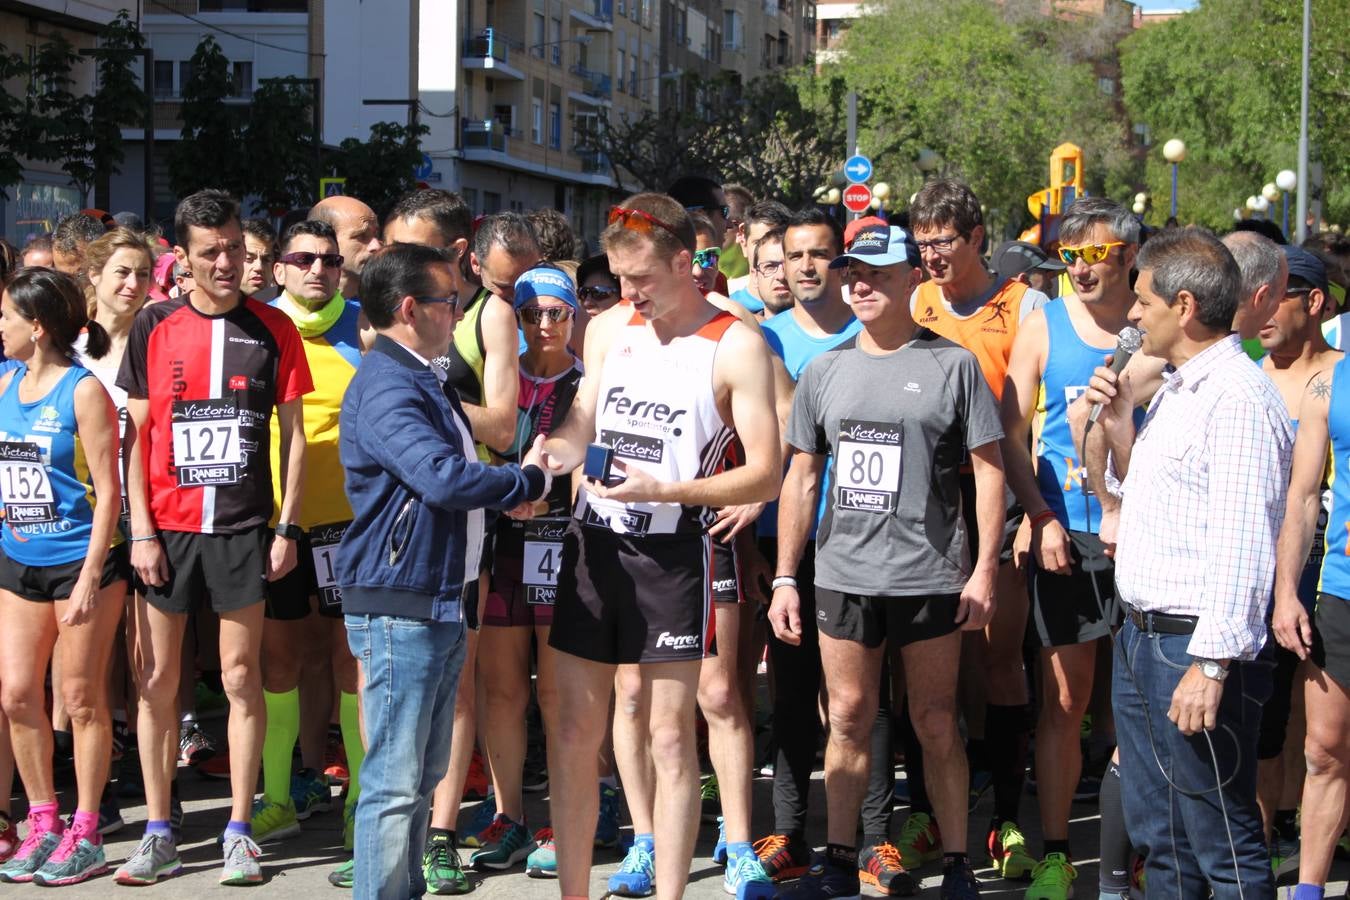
(1271,193)
(1261,206)
(928,163)
(1140,205)
(1286,181)
(880,192)
(1174,151)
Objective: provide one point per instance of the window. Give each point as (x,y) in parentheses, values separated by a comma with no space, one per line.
(1142,137)
(555,41)
(733,30)
(185,69)
(505,113)
(1107,86)
(492,202)
(634,11)
(537,47)
(241,80)
(537,120)
(554,126)
(623,7)
(470,196)
(163,76)
(620,69)
(632,74)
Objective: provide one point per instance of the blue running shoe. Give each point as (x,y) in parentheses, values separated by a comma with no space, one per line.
(745,879)
(825,882)
(607,823)
(719,854)
(637,876)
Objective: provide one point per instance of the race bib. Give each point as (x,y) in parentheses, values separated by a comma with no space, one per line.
(323,546)
(206,442)
(867,466)
(542,560)
(25,485)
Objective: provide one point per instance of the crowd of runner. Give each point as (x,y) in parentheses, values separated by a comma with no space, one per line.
(738,439)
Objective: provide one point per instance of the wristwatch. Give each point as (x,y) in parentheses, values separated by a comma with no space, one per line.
(289,531)
(1211,669)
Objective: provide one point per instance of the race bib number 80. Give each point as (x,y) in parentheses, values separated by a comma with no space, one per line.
(206,442)
(25,485)
(867,466)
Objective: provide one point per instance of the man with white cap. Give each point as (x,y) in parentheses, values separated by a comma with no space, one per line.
(896,457)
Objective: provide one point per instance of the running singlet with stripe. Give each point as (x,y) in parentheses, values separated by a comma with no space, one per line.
(657,409)
(333,357)
(1069,362)
(1336,562)
(107,376)
(44,477)
(988,333)
(212,383)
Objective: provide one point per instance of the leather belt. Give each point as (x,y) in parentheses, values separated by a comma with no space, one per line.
(1160,623)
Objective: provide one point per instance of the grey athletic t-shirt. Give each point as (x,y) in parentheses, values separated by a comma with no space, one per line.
(896,428)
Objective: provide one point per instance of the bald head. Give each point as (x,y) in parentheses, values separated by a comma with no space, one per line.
(1265,275)
(358,235)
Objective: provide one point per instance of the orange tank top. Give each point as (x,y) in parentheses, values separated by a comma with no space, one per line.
(988,333)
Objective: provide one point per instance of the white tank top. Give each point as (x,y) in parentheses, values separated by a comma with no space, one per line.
(658,411)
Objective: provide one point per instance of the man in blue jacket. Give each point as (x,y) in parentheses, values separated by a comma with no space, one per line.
(417,493)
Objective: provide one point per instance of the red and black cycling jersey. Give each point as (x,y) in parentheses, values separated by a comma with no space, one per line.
(212,382)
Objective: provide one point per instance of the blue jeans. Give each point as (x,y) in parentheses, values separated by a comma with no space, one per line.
(410,669)
(1185,836)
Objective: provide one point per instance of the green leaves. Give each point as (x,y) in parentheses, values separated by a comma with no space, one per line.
(380,169)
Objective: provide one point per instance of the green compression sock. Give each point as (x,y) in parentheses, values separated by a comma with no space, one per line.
(283,727)
(351,741)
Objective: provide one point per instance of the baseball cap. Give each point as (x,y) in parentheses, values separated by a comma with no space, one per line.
(880,245)
(545,281)
(1013,258)
(1307,266)
(852,228)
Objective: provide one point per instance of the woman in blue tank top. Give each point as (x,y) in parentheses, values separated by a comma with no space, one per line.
(58,451)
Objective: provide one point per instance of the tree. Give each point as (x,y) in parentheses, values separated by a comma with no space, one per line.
(210,152)
(14,124)
(119,100)
(381,169)
(1239,117)
(998,88)
(59,128)
(281,145)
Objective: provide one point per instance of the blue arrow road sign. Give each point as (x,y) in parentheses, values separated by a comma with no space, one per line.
(423,171)
(858,168)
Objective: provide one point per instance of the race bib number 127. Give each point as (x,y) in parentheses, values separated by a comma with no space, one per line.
(206,442)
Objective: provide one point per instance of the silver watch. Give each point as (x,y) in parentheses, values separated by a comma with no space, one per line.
(1211,669)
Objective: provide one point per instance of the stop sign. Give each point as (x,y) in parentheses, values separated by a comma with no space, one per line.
(857,197)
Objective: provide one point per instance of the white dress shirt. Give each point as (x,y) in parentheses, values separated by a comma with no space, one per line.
(1203,500)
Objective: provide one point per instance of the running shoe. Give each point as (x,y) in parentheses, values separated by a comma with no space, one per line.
(491,834)
(343,875)
(335,758)
(75,859)
(310,794)
(156,857)
(1052,879)
(241,860)
(480,823)
(880,866)
(543,860)
(441,868)
(514,844)
(1139,878)
(637,874)
(176,817)
(109,812)
(273,821)
(120,740)
(920,841)
(32,853)
(958,882)
(783,857)
(477,783)
(710,799)
(9,838)
(534,775)
(210,703)
(194,746)
(745,879)
(825,882)
(1008,852)
(216,767)
(719,854)
(607,822)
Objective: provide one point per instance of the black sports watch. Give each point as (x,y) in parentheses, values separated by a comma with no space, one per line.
(289,531)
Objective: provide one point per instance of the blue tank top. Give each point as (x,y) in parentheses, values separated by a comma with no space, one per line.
(44,479)
(1069,362)
(1336,564)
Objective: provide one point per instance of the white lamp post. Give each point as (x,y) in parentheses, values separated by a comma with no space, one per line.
(1174,151)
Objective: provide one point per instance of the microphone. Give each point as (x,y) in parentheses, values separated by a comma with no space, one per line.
(1127,344)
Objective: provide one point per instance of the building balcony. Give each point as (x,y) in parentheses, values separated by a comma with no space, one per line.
(597,15)
(593,162)
(596,87)
(490,53)
(482,136)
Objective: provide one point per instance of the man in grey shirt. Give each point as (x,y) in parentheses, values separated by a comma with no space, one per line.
(894,412)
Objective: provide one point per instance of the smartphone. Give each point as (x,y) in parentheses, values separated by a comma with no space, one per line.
(599,462)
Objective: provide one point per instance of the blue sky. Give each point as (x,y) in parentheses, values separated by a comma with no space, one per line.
(1166,4)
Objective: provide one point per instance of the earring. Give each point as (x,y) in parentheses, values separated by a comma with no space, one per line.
(33,338)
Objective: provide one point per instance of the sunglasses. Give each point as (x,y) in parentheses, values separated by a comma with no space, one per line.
(306,260)
(452,301)
(724,209)
(707,259)
(639,221)
(597,292)
(533,315)
(1088,253)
